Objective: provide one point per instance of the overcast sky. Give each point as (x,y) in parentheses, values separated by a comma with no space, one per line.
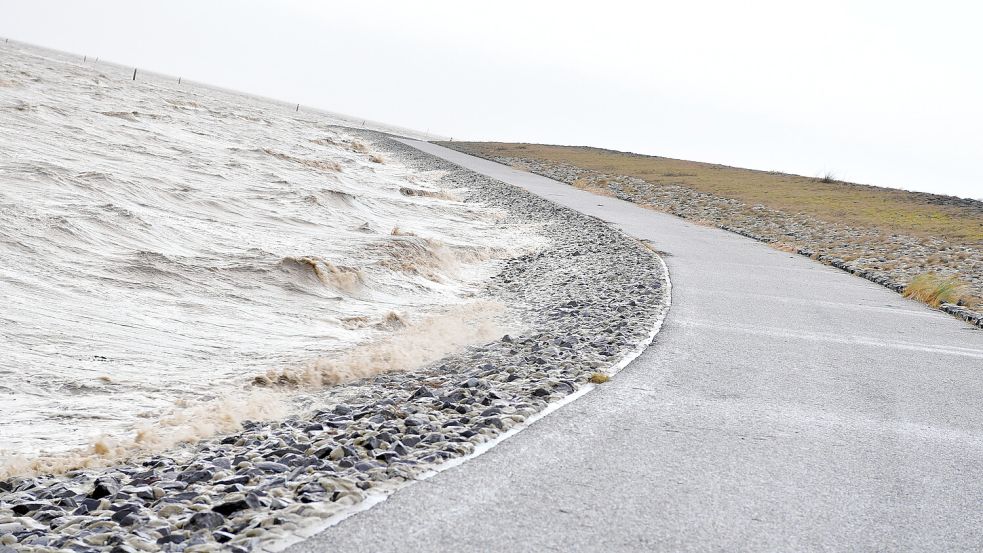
(880,92)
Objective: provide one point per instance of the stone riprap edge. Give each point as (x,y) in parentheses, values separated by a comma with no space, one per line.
(249,489)
(970,316)
(376,498)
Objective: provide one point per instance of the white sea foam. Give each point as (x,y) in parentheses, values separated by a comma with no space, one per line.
(161,246)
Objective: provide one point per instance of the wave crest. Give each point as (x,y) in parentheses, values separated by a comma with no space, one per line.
(340,277)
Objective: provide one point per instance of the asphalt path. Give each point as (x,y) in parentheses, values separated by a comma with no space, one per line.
(784,406)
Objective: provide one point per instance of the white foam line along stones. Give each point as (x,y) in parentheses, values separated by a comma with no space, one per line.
(586,302)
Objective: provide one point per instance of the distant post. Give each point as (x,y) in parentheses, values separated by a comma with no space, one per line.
(134,73)
(179,80)
(298,107)
(84,58)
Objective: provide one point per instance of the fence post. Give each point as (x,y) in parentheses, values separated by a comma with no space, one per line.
(298,107)
(134,73)
(84,58)
(179,80)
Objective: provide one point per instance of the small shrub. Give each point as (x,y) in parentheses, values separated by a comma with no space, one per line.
(587,186)
(581,183)
(828,177)
(599,378)
(784,247)
(935,289)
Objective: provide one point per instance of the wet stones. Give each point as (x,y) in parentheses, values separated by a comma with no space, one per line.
(104,487)
(250,501)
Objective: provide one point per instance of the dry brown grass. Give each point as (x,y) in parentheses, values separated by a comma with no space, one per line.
(935,289)
(586,185)
(599,378)
(784,247)
(894,211)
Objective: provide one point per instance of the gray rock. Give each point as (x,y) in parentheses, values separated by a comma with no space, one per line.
(104,487)
(270,466)
(227,508)
(193,476)
(365,466)
(416,420)
(422,392)
(205,519)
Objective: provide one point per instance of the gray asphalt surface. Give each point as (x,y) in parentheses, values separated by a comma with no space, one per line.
(785,406)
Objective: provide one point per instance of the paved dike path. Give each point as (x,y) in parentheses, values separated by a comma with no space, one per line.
(785,405)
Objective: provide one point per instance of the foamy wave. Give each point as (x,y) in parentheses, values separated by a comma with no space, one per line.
(410,254)
(411,347)
(184,425)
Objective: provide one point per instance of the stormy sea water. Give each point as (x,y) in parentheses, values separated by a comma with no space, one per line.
(165,247)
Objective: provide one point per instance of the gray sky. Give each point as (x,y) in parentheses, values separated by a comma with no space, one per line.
(881,92)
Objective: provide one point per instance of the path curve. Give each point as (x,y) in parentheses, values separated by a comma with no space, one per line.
(785,405)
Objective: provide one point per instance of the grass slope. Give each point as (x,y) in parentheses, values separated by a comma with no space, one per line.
(890,210)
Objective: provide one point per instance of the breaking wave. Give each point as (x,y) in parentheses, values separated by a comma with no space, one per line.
(345,279)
